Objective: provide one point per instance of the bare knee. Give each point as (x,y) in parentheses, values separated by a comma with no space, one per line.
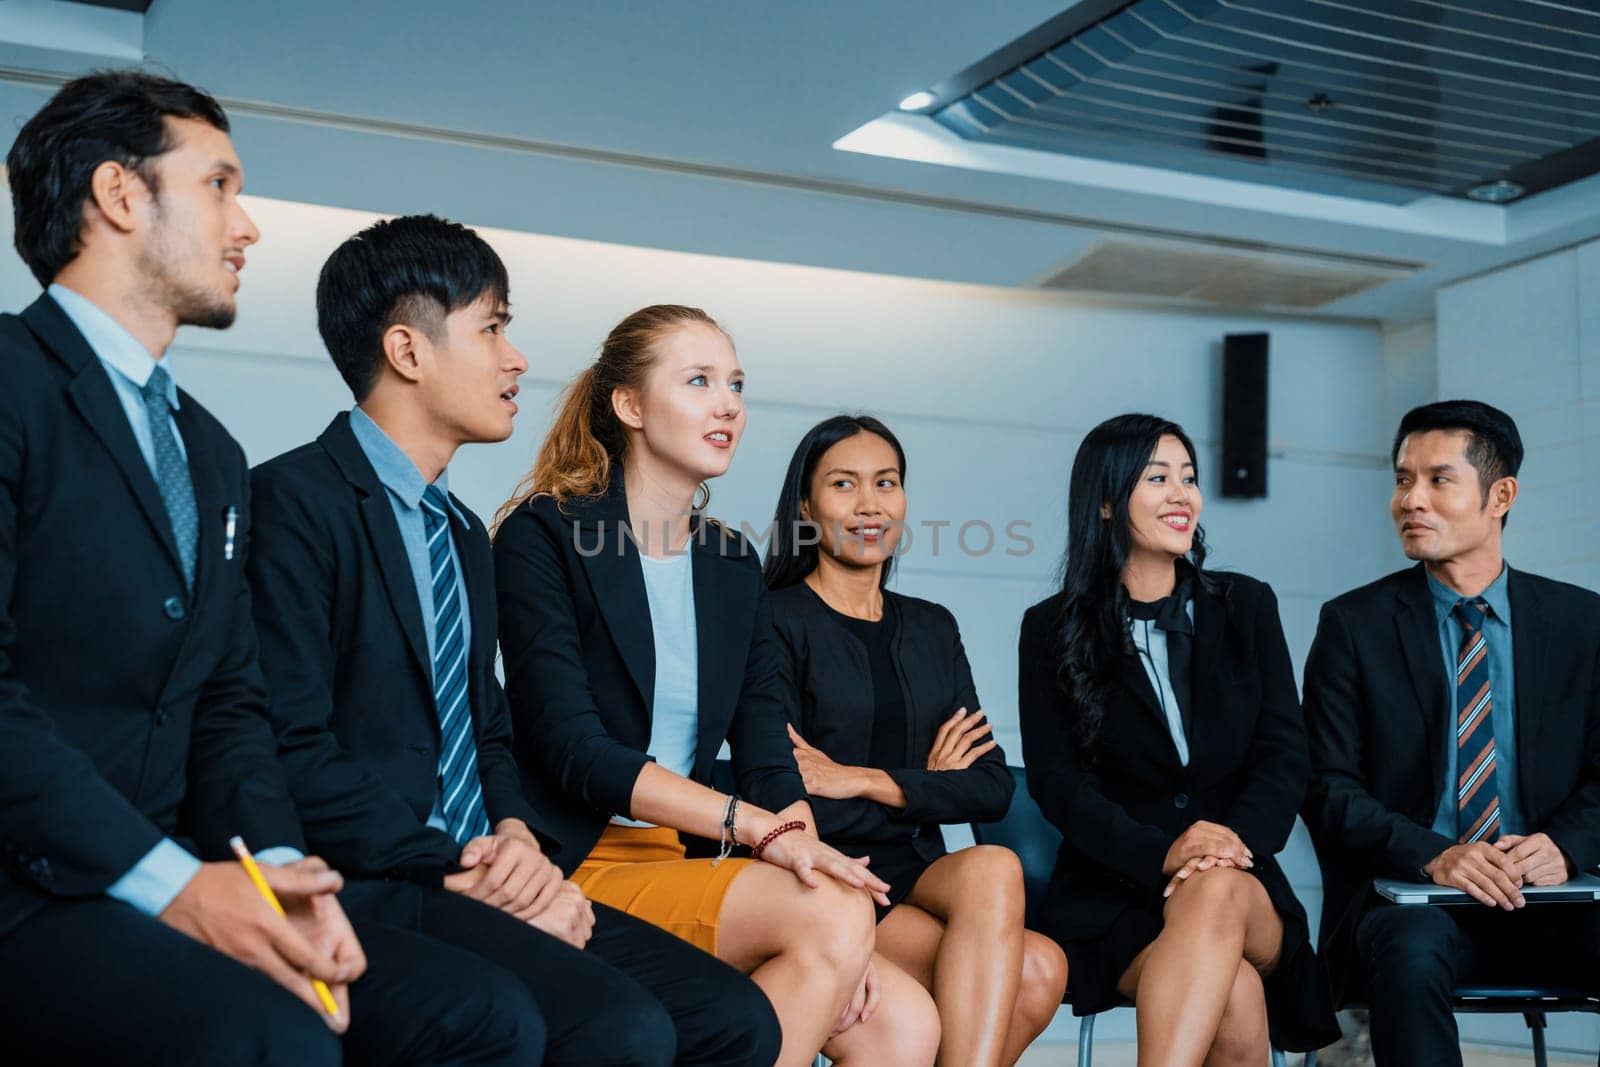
(989,879)
(1219,897)
(992,865)
(1242,1032)
(909,1029)
(836,922)
(1044,980)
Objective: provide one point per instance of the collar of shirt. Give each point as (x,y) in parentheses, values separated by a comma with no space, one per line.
(1499,600)
(395,470)
(117,348)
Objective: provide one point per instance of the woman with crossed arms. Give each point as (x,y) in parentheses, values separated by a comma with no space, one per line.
(1162,735)
(891,741)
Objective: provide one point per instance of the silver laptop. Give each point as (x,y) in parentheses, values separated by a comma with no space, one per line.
(1584,887)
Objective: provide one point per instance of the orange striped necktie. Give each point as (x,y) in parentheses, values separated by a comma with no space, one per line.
(1477,799)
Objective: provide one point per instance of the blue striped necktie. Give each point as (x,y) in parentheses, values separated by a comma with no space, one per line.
(461,789)
(1477,799)
(172,472)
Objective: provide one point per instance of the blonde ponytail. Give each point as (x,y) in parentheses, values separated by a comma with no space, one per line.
(586,437)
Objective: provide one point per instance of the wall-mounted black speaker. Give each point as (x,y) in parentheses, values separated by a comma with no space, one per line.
(1244,415)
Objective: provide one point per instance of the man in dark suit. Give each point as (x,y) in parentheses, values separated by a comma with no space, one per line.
(375,599)
(1454,717)
(131,717)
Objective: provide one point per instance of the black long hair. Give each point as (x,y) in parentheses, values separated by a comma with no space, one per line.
(1094,630)
(789,560)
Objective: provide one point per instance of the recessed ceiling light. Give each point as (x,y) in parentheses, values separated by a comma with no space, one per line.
(1497,192)
(917,101)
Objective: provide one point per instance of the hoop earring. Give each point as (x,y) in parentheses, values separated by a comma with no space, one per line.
(702,497)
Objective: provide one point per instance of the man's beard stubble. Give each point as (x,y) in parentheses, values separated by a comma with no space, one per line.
(190,304)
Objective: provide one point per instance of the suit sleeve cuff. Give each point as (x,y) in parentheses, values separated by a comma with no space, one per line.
(613,777)
(1419,848)
(157,879)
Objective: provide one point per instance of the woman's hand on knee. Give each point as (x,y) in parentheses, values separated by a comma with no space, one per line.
(809,859)
(1193,867)
(1204,839)
(862,1004)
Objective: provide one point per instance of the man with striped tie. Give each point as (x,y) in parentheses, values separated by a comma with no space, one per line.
(133,742)
(1454,716)
(374,597)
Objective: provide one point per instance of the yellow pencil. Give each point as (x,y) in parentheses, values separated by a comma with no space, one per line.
(250,868)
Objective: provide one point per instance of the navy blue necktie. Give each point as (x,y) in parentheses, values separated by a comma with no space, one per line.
(1477,799)
(461,789)
(172,472)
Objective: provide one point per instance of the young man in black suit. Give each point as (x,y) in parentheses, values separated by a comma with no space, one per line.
(131,718)
(1454,717)
(375,599)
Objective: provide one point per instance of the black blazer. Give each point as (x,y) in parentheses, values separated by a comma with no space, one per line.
(346,661)
(121,696)
(828,691)
(580,663)
(1120,810)
(1376,701)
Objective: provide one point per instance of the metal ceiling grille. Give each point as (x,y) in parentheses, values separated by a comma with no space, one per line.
(1385,99)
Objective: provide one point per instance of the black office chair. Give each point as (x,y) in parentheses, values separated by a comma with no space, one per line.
(1025,831)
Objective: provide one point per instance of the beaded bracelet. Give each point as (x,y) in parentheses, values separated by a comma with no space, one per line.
(730,830)
(775,833)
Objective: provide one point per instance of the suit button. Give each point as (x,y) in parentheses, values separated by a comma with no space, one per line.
(173,608)
(161,716)
(1181,800)
(916,831)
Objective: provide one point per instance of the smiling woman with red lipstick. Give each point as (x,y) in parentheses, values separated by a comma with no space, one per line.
(1162,735)
(892,742)
(637,639)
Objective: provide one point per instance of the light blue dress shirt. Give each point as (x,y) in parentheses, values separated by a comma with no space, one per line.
(1502,702)
(1150,641)
(405,486)
(160,875)
(128,364)
(675,704)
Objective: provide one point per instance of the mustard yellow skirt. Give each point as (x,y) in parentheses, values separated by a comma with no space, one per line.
(641,870)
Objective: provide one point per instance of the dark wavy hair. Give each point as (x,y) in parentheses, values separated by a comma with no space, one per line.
(789,561)
(116,115)
(1094,630)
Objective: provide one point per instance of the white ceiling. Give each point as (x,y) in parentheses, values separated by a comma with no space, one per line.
(710,126)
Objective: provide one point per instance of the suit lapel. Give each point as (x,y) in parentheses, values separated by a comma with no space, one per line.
(383,532)
(1137,680)
(1417,632)
(722,614)
(1530,638)
(611,560)
(96,400)
(1205,696)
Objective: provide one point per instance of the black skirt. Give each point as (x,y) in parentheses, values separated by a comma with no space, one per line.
(898,864)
